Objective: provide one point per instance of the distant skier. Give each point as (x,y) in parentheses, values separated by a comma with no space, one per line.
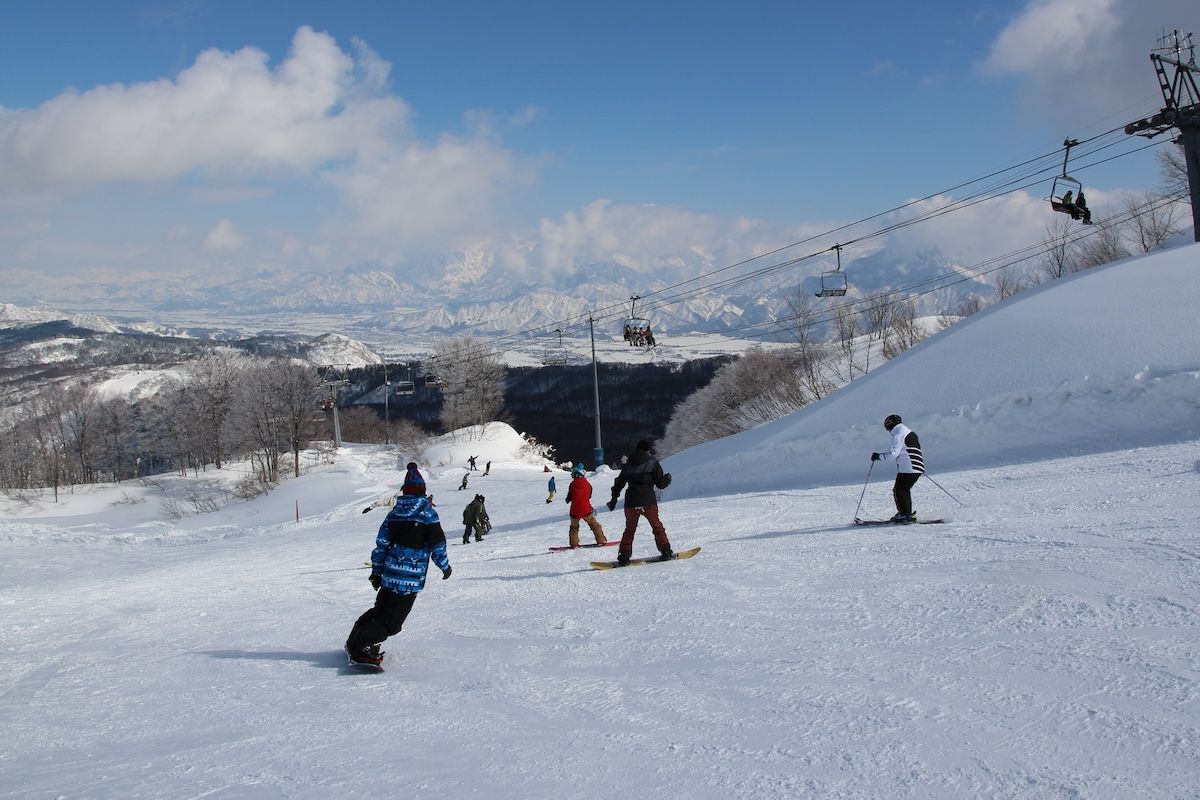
(463,485)
(487,469)
(410,535)
(550,485)
(906,450)
(641,473)
(475,519)
(471,462)
(579,497)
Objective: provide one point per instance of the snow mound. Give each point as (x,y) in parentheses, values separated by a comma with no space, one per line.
(1080,365)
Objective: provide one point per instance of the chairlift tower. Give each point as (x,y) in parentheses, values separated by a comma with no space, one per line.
(1181,108)
(331,385)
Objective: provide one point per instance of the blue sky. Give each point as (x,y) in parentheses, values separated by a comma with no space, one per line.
(131,140)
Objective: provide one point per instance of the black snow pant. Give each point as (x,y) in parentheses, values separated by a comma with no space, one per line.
(381,620)
(478,533)
(902,491)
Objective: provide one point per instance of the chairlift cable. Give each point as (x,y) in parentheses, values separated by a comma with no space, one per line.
(613,311)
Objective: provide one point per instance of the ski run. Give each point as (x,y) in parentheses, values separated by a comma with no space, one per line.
(1041,643)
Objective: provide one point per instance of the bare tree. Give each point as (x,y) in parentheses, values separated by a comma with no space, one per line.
(1059,258)
(21,460)
(46,423)
(875,313)
(361,424)
(904,331)
(1172,167)
(297,391)
(810,354)
(274,404)
(211,381)
(82,422)
(973,303)
(845,331)
(472,378)
(116,437)
(1008,283)
(410,438)
(804,323)
(1152,219)
(759,387)
(1103,245)
(178,427)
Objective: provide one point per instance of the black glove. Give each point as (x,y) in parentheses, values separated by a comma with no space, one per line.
(365,510)
(446,573)
(666,480)
(376,581)
(612,505)
(874,456)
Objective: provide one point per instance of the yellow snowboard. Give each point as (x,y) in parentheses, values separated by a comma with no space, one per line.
(634,562)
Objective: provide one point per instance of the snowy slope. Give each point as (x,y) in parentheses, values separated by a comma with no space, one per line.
(1043,644)
(1106,359)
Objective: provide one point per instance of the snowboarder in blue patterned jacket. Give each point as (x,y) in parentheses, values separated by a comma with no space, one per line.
(910,465)
(409,537)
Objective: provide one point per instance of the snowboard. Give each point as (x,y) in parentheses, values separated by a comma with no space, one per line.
(363,667)
(560,548)
(889,522)
(635,562)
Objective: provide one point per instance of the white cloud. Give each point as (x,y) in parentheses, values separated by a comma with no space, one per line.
(1085,60)
(1053,35)
(667,242)
(646,238)
(224,238)
(419,194)
(232,127)
(228,113)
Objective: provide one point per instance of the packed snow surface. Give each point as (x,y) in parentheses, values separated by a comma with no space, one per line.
(1042,643)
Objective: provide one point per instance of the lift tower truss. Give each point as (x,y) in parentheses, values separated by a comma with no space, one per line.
(1177,78)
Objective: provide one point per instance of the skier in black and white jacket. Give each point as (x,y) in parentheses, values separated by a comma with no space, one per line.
(910,465)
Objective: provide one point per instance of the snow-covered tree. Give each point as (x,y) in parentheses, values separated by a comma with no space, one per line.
(472,378)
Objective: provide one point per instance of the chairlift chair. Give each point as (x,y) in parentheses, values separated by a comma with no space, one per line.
(405,387)
(1062,184)
(555,356)
(432,381)
(636,330)
(833,282)
(1058,190)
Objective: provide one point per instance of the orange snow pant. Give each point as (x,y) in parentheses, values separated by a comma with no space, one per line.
(593,523)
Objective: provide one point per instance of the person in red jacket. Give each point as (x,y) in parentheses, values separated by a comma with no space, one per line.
(579,497)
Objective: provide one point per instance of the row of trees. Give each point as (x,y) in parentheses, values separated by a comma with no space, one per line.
(223,406)
(472,382)
(832,348)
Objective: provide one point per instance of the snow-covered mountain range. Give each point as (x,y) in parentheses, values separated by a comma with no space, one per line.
(470,292)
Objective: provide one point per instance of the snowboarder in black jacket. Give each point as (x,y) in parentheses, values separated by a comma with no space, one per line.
(640,475)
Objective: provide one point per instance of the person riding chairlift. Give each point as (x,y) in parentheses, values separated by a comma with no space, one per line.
(1077,207)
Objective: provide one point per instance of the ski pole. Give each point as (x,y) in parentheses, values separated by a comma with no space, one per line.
(935,483)
(864,491)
